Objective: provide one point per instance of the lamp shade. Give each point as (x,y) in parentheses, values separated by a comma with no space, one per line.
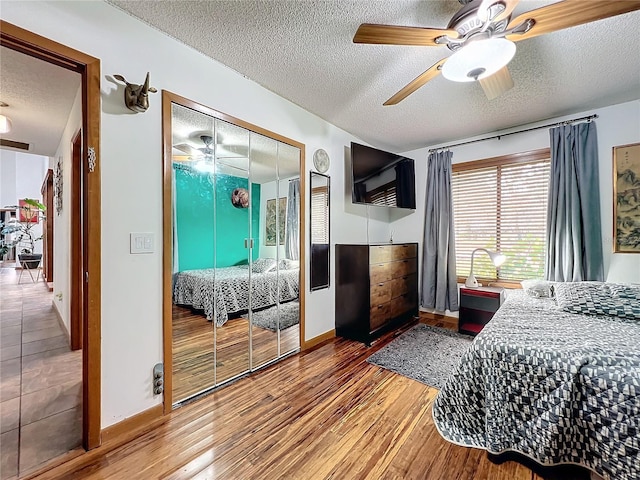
(5,124)
(496,258)
(478,59)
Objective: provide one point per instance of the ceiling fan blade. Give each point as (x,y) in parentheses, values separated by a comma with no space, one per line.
(569,13)
(188,149)
(496,84)
(416,83)
(396,35)
(509,5)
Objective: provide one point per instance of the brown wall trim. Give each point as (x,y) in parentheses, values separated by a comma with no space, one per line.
(319,339)
(113,437)
(167,228)
(134,426)
(522,157)
(29,43)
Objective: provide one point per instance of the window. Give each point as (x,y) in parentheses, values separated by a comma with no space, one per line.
(320,215)
(384,195)
(501,204)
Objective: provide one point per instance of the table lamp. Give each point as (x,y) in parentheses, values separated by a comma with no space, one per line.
(497,259)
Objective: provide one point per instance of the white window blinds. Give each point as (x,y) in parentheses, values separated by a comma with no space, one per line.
(501,205)
(320,215)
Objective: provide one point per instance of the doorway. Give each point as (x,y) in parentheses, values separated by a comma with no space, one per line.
(85,264)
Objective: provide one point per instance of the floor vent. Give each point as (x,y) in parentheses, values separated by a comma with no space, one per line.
(12,144)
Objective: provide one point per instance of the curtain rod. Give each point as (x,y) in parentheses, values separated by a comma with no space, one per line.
(557,124)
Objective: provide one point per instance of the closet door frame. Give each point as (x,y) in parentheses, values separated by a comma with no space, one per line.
(169,98)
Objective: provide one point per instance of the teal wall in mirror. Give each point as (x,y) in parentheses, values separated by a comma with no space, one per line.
(195,214)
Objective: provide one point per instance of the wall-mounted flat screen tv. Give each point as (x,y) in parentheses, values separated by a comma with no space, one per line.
(382,178)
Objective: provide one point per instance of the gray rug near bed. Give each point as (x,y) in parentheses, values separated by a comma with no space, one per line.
(424,353)
(289,315)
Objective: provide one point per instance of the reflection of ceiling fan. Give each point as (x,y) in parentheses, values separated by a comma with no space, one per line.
(481,36)
(202,156)
(197,152)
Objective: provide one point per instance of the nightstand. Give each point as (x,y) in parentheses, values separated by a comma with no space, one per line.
(477,306)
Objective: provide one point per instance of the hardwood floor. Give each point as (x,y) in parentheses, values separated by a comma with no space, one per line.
(194,346)
(325,413)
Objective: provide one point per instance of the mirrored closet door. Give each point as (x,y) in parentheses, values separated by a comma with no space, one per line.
(233,220)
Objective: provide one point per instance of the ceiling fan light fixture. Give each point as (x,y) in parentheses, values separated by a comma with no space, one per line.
(479,59)
(5,124)
(496,84)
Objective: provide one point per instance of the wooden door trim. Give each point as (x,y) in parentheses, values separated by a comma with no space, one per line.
(16,38)
(167,226)
(75,243)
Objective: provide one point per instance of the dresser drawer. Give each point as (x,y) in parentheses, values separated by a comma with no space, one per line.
(379,254)
(381,292)
(402,268)
(379,315)
(390,253)
(401,305)
(380,273)
(400,252)
(402,285)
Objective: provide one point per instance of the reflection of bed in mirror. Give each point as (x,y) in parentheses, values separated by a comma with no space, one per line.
(224,292)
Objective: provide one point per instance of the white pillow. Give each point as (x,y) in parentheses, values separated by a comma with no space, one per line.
(263,265)
(537,288)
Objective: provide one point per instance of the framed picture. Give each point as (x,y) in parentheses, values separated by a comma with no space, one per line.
(270,222)
(626,192)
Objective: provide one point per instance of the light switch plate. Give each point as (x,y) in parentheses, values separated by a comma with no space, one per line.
(142,242)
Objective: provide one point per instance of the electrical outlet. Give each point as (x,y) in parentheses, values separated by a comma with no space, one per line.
(59,296)
(158,378)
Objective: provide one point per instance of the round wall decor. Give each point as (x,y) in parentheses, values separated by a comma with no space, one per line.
(240,198)
(321,160)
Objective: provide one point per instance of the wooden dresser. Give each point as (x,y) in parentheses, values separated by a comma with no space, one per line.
(376,288)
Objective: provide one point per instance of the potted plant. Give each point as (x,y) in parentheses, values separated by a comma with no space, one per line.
(30,214)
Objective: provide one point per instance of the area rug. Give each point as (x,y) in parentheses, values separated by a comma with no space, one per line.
(424,353)
(289,314)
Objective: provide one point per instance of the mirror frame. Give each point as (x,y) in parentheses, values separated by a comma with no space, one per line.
(169,98)
(326,284)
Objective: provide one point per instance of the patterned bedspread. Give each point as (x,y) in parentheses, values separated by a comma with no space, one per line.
(555,386)
(222,291)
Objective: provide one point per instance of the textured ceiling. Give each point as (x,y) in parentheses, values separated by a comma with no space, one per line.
(40,96)
(303,51)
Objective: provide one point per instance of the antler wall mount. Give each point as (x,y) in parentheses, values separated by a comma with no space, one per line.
(136,97)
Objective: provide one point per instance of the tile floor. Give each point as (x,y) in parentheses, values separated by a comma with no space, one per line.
(40,379)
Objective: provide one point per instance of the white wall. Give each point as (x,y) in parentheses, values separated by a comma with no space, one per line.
(8,193)
(131,169)
(616,125)
(62,221)
(22,175)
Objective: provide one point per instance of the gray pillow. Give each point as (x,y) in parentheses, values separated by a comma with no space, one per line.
(598,298)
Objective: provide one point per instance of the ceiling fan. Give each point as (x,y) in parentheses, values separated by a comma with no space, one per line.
(481,36)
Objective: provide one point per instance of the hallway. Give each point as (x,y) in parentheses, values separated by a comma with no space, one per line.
(40,378)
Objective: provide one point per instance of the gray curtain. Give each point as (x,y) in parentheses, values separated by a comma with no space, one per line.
(439,282)
(574,233)
(292,232)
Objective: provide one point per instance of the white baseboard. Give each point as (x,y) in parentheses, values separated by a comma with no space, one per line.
(61,321)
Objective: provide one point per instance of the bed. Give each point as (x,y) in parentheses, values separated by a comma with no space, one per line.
(546,380)
(221,292)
